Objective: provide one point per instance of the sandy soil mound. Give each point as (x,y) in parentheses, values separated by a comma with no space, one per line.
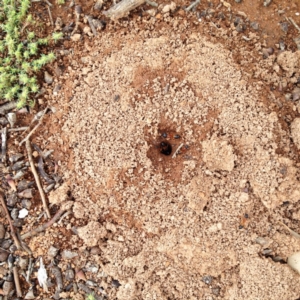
(179,226)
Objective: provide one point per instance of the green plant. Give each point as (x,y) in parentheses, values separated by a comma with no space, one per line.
(90,297)
(56,36)
(60,2)
(20,59)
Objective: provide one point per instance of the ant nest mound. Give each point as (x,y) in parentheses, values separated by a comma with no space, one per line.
(178,217)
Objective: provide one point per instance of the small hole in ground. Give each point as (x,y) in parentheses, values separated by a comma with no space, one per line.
(165,148)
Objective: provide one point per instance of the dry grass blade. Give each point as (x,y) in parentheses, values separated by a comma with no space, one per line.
(292,232)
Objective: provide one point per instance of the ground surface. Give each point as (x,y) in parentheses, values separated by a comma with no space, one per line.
(202,223)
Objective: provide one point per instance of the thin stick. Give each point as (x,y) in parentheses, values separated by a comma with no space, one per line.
(17,282)
(37,178)
(192,5)
(4,140)
(48,3)
(294,23)
(12,229)
(63,216)
(18,129)
(35,128)
(44,226)
(177,150)
(50,15)
(292,232)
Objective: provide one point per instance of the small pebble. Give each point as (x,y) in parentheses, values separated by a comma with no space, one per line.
(169,8)
(91,283)
(2,231)
(207,279)
(12,200)
(48,78)
(14,213)
(56,89)
(3,255)
(92,268)
(26,194)
(267,2)
(288,96)
(76,37)
(23,213)
(95,250)
(18,223)
(7,287)
(80,275)
(3,121)
(6,244)
(23,262)
(69,274)
(297,42)
(66,254)
(284,26)
(22,185)
(281,45)
(115,283)
(52,252)
(266,251)
(30,295)
(12,119)
(296,94)
(261,241)
(3,271)
(15,157)
(216,290)
(254,25)
(238,1)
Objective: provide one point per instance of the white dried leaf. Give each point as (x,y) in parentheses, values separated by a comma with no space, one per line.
(42,276)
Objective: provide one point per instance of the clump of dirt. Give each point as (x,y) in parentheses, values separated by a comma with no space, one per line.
(171,225)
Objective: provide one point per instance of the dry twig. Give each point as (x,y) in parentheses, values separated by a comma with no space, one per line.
(17,282)
(18,129)
(177,150)
(294,23)
(37,178)
(50,15)
(35,128)
(44,226)
(192,5)
(292,232)
(12,229)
